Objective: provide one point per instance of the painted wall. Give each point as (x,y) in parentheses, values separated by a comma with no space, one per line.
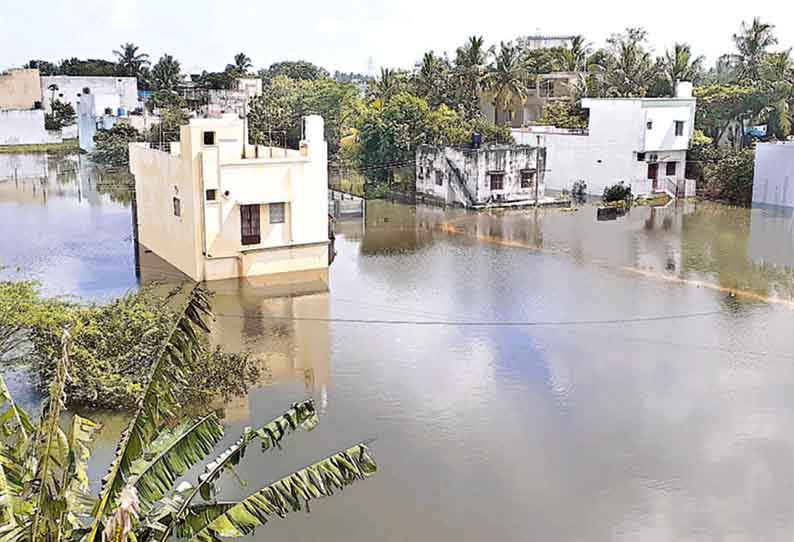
(71,89)
(773,181)
(20,89)
(439,170)
(19,127)
(609,151)
(159,177)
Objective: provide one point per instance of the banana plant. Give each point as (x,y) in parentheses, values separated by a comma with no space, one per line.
(44,490)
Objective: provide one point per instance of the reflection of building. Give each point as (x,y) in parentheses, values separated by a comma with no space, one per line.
(640,141)
(390,227)
(475,177)
(282,322)
(771,236)
(216,207)
(773,180)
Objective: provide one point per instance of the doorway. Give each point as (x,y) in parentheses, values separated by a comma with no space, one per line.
(653,174)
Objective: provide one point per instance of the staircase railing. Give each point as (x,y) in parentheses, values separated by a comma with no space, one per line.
(461,182)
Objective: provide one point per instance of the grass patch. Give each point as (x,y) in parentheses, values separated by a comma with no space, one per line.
(69,146)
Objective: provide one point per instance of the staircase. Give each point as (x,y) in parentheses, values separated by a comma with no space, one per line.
(460,183)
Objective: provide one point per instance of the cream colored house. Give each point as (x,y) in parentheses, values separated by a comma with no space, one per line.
(216,207)
(526,110)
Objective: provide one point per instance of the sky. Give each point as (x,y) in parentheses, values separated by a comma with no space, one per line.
(357,35)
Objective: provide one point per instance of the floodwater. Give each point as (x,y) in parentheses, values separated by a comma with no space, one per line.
(532,375)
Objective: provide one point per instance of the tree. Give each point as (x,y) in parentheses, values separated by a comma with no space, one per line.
(62,115)
(679,64)
(390,83)
(574,58)
(242,63)
(564,114)
(629,68)
(131,62)
(167,73)
(471,69)
(298,70)
(507,77)
(139,499)
(719,105)
(752,44)
(432,80)
(112,146)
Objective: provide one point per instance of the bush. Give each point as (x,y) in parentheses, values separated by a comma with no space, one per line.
(730,176)
(617,192)
(112,347)
(112,146)
(579,190)
(62,115)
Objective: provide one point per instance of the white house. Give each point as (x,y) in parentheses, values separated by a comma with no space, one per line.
(111,93)
(216,207)
(642,142)
(773,180)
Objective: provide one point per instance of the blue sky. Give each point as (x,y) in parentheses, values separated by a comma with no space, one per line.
(346,35)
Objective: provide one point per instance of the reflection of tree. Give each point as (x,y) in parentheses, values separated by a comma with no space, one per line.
(715,240)
(118,184)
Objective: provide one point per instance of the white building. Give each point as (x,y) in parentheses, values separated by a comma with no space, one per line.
(773,180)
(216,207)
(642,142)
(110,93)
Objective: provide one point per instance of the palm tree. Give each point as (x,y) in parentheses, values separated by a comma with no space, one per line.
(574,58)
(129,61)
(680,65)
(507,78)
(630,68)
(242,63)
(167,73)
(44,490)
(471,69)
(389,83)
(432,79)
(753,43)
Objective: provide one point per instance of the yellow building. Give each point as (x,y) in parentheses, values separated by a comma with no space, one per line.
(216,207)
(524,111)
(20,89)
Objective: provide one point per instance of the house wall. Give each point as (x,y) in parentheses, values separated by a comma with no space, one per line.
(773,181)
(607,153)
(20,89)
(70,90)
(159,177)
(20,127)
(433,164)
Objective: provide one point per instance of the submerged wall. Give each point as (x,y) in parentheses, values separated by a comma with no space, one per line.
(18,127)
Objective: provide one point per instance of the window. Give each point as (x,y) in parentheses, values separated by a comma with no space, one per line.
(679,128)
(86,90)
(497,180)
(439,178)
(527,178)
(177,207)
(249,225)
(212,194)
(670,169)
(209,138)
(650,125)
(640,157)
(276,213)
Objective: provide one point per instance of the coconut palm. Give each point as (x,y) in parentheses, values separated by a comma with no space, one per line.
(471,69)
(167,73)
(242,63)
(630,68)
(129,61)
(573,58)
(679,64)
(390,83)
(432,79)
(507,77)
(752,44)
(44,490)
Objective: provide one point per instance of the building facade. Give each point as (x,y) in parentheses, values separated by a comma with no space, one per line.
(216,207)
(112,93)
(20,89)
(476,178)
(642,142)
(524,111)
(773,180)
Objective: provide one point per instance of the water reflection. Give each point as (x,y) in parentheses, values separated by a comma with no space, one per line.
(674,429)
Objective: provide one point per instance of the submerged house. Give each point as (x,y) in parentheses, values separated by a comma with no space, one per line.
(216,207)
(642,142)
(479,177)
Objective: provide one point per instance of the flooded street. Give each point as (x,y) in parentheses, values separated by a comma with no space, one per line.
(528,375)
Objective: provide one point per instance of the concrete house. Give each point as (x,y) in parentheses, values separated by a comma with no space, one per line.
(642,142)
(216,207)
(478,177)
(543,90)
(110,93)
(773,179)
(21,113)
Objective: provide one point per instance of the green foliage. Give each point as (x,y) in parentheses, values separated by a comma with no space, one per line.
(285,101)
(728,176)
(132,63)
(112,146)
(564,114)
(240,67)
(617,192)
(62,115)
(224,80)
(139,500)
(719,105)
(508,77)
(23,309)
(167,73)
(297,70)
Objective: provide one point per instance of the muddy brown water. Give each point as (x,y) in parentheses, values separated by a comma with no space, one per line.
(532,375)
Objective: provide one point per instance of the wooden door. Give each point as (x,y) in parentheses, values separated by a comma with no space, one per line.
(653,174)
(250,231)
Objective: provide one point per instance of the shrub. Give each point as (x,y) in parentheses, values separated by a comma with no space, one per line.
(617,192)
(112,146)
